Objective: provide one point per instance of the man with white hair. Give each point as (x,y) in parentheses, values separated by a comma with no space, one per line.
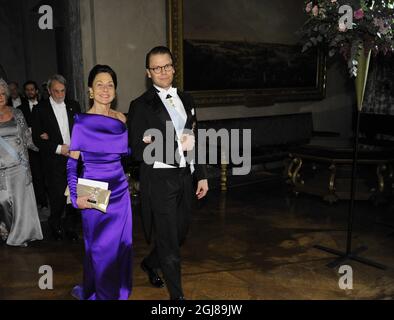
(53,120)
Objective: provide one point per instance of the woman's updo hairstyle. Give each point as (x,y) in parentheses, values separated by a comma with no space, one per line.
(101,69)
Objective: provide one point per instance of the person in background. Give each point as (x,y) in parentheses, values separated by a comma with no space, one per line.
(19,221)
(15,99)
(53,120)
(36,164)
(44,90)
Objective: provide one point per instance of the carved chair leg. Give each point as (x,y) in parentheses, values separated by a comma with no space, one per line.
(331,197)
(379,197)
(379,172)
(296,177)
(290,170)
(293,175)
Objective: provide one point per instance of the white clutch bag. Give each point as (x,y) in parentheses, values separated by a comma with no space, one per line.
(97,190)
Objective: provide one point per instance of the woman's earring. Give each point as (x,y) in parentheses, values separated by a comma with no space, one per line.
(91,95)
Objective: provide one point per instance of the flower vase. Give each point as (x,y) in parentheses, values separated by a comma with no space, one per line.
(363,60)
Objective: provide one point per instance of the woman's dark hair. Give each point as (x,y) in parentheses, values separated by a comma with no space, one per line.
(157,50)
(102,69)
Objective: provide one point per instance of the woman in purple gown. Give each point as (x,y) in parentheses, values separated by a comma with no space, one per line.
(99,138)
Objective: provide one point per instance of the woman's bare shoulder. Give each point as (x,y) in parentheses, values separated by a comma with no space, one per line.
(120,116)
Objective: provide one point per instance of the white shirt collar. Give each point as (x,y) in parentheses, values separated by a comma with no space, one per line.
(54,103)
(163,92)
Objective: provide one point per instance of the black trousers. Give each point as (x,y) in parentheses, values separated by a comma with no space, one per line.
(36,166)
(57,183)
(171,198)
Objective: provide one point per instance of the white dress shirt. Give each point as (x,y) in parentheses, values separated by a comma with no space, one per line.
(179,123)
(16,102)
(62,120)
(174,102)
(32,104)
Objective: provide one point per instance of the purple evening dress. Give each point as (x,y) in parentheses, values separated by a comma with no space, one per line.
(107,273)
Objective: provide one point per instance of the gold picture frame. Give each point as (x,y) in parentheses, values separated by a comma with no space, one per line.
(249,96)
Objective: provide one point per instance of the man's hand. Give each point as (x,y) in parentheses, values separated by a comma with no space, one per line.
(202,189)
(188,141)
(147,139)
(65,150)
(44,136)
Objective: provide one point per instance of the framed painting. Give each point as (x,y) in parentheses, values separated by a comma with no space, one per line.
(243,52)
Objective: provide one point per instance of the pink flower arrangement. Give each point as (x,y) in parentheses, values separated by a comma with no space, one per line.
(371,26)
(308,7)
(315,10)
(359,14)
(342,27)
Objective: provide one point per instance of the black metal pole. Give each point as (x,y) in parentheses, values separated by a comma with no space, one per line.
(349,254)
(353,186)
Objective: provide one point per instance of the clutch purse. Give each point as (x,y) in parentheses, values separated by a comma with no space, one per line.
(99,195)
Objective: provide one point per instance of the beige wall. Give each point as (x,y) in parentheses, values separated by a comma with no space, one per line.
(120,32)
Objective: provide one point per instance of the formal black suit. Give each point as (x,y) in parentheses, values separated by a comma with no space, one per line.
(166,194)
(44,121)
(25,108)
(23,100)
(35,160)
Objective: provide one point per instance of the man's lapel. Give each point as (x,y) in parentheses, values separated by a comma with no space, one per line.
(188,109)
(52,119)
(158,107)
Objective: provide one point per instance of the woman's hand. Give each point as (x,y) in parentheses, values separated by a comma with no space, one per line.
(83,203)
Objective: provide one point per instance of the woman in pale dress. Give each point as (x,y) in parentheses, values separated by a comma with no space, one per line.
(19,221)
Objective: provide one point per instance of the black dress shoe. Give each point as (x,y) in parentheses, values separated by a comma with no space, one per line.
(72,236)
(154,278)
(180,298)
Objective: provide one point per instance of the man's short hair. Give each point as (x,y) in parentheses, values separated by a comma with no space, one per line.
(157,50)
(30,82)
(58,78)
